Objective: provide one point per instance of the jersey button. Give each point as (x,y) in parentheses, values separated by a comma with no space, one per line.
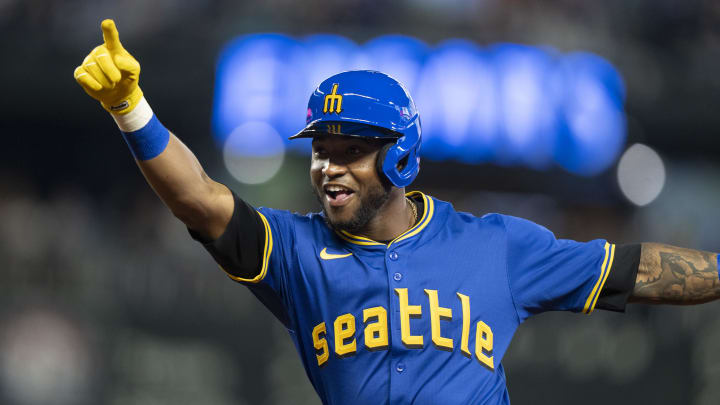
(400,367)
(397,276)
(393,255)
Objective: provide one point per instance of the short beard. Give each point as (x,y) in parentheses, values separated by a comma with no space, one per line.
(370,204)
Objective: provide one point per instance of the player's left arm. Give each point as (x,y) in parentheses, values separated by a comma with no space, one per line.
(673,275)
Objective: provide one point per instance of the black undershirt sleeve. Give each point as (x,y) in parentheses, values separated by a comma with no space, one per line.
(240,248)
(621,281)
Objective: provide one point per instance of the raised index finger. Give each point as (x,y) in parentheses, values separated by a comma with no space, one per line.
(111,36)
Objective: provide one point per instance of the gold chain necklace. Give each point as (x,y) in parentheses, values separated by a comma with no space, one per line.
(414,211)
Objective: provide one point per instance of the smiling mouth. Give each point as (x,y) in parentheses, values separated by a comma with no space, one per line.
(337,196)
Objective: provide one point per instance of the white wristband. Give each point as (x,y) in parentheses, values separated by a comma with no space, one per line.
(135,119)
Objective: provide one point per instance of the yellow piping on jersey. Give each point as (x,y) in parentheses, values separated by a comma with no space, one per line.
(266,255)
(424,220)
(359,240)
(607,273)
(604,272)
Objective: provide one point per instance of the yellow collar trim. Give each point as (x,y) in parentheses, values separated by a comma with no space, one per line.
(426,217)
(358,240)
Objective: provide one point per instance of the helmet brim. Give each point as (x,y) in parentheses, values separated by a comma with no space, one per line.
(344,128)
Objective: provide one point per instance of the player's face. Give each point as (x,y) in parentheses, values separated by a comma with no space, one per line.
(345,180)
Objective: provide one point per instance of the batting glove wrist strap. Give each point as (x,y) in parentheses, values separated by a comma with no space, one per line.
(135,119)
(124,105)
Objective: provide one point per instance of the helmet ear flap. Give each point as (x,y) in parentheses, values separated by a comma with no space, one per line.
(381,160)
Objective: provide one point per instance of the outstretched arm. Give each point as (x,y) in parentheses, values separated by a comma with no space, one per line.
(110,75)
(673,275)
(177,177)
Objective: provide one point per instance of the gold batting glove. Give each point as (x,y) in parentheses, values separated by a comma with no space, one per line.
(110,74)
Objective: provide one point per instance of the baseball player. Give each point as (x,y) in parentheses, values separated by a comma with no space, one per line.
(390,297)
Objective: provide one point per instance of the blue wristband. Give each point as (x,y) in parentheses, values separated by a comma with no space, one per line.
(718,262)
(148,141)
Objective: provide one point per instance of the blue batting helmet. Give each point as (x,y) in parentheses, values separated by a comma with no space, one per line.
(371,104)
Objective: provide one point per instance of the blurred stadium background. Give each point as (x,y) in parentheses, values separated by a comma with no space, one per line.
(104,299)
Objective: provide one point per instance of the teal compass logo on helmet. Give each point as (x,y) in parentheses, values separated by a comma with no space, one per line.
(367,103)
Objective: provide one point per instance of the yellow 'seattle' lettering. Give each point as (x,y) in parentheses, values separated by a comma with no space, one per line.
(320,343)
(344,330)
(406,312)
(376,333)
(333,101)
(484,345)
(438,313)
(465,337)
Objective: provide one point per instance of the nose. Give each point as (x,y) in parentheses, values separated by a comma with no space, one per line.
(332,169)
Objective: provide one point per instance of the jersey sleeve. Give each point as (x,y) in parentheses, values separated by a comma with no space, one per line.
(253,251)
(620,283)
(550,274)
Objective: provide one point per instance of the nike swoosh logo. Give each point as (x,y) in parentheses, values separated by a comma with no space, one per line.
(330,256)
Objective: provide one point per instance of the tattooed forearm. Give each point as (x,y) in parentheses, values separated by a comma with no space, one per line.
(672,275)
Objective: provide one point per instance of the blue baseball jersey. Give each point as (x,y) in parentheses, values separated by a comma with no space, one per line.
(427,317)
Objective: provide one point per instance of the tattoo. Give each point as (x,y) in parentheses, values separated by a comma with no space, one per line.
(672,275)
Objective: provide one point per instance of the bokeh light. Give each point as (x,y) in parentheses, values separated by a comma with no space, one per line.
(254,152)
(641,174)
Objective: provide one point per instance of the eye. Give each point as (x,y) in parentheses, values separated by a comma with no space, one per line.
(354,150)
(319,151)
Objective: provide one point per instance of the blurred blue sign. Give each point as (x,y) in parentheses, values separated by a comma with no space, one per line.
(507,104)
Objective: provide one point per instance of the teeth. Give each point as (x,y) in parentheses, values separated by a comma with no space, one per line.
(335,189)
